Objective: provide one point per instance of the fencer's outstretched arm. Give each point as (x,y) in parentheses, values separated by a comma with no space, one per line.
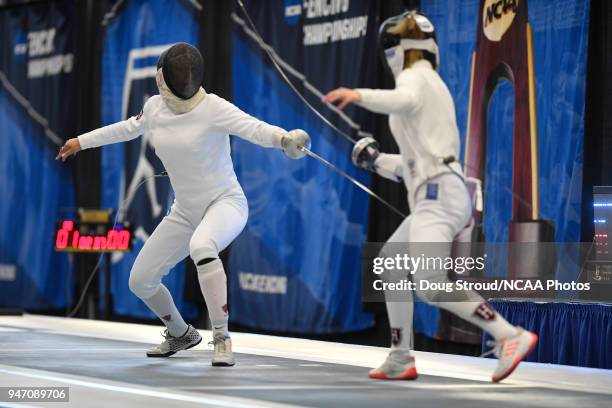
(389,166)
(245,126)
(404,98)
(117,132)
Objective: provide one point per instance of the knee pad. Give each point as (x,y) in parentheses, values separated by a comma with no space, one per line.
(205,261)
(208,265)
(201,250)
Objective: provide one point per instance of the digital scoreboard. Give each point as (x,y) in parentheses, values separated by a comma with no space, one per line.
(93,232)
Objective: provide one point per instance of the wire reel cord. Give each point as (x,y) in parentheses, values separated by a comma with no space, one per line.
(321,116)
(288,81)
(97,267)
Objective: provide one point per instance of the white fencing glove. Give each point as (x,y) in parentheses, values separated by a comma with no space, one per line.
(293,141)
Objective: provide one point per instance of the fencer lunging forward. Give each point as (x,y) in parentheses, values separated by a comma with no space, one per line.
(188,129)
(422,121)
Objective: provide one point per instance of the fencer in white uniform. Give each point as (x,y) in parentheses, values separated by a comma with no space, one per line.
(189,131)
(422,120)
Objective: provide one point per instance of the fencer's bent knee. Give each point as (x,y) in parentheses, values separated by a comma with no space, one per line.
(200,249)
(142,285)
(133,284)
(427,296)
(144,279)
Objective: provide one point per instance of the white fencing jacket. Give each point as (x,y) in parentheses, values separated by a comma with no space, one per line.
(194,147)
(422,120)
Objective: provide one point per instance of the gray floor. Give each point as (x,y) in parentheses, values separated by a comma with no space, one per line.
(261,378)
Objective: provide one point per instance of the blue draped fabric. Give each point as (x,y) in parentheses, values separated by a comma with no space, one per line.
(296,266)
(34,187)
(578,334)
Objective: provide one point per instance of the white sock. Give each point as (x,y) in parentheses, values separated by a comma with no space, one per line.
(482,315)
(400,310)
(400,319)
(162,305)
(213,283)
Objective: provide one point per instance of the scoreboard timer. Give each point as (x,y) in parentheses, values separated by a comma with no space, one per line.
(93,232)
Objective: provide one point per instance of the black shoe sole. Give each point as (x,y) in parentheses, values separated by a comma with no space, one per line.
(223,365)
(173,352)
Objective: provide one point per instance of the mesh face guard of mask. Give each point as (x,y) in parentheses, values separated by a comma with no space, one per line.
(393,46)
(183,69)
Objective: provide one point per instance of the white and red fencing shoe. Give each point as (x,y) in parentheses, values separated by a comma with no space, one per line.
(511,351)
(399,365)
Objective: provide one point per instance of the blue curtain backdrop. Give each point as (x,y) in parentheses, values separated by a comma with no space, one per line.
(569,333)
(36,71)
(296,267)
(560,36)
(141,30)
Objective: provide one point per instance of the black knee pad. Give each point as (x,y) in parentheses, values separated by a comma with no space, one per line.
(205,261)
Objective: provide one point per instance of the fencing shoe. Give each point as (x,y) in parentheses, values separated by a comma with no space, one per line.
(511,351)
(171,344)
(223,357)
(399,365)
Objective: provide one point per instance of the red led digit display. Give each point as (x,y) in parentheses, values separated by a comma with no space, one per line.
(90,237)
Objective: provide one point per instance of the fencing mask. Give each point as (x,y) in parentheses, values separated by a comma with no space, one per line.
(182,68)
(393,41)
